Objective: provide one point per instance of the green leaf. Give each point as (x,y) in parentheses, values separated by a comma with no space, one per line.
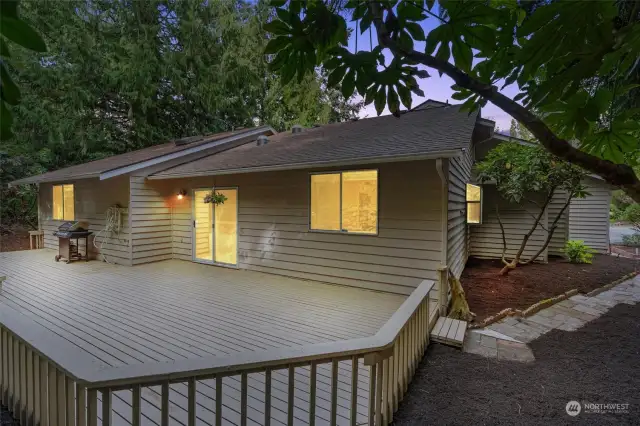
(277,3)
(4,49)
(415,30)
(461,96)
(277,27)
(277,44)
(5,122)
(462,55)
(405,95)
(348,84)
(20,32)
(10,92)
(9,8)
(407,10)
(336,76)
(380,100)
(392,100)
(280,60)
(371,94)
(434,37)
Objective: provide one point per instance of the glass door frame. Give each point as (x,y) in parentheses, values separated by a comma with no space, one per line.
(211,228)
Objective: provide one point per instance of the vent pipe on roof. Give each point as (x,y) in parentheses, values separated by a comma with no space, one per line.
(262,140)
(297,128)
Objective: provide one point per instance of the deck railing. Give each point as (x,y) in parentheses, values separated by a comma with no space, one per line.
(66,386)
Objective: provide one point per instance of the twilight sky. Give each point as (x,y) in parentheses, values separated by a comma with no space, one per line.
(435,87)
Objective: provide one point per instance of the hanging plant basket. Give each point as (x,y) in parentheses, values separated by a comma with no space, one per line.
(215,198)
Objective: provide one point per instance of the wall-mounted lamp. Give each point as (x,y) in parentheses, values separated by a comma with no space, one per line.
(181,194)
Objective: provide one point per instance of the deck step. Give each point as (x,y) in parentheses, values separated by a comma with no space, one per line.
(449,331)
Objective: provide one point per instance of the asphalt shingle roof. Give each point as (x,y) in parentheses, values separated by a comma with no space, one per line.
(418,132)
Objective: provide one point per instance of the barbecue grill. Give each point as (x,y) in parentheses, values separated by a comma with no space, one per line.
(69,234)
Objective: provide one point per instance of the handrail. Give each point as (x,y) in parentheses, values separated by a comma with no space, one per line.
(180,369)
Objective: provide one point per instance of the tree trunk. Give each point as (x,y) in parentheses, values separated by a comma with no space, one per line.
(516,260)
(552,230)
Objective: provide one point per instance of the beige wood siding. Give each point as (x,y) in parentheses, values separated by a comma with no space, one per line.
(151,222)
(556,245)
(589,217)
(92,199)
(457,231)
(274,227)
(486,238)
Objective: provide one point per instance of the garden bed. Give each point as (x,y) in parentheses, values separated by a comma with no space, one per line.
(488,292)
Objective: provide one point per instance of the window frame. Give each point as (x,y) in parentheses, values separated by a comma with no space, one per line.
(342,231)
(74,202)
(467,202)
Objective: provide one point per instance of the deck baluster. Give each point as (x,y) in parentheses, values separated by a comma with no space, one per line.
(267,397)
(334,391)
(81,406)
(44,394)
(107,411)
(23,383)
(53,401)
(354,390)
(5,369)
(62,398)
(290,395)
(30,387)
(218,400)
(312,393)
(92,407)
(191,403)
(71,402)
(164,409)
(243,398)
(135,405)
(372,395)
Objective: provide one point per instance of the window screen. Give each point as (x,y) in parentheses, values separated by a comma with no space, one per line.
(345,201)
(63,202)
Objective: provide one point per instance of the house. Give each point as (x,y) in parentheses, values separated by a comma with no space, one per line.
(306,297)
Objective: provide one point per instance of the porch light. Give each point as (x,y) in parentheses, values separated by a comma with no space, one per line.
(181,194)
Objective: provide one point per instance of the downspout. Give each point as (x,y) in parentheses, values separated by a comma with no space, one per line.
(443,273)
(444,217)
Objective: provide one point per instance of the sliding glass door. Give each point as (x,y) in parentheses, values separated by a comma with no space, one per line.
(215,228)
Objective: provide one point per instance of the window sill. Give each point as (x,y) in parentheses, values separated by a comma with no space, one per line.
(321,231)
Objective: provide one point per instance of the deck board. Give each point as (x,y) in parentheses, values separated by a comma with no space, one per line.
(449,331)
(175,309)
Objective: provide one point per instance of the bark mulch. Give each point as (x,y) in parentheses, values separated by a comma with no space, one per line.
(597,364)
(488,292)
(14,241)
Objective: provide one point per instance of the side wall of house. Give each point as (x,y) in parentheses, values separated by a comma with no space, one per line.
(274,231)
(458,231)
(486,238)
(92,199)
(559,238)
(589,217)
(151,238)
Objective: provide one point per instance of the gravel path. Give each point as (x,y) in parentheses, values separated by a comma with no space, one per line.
(597,364)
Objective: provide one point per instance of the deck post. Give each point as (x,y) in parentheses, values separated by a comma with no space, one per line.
(443,290)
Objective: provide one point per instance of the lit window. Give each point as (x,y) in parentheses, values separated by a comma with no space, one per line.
(474,203)
(63,202)
(345,201)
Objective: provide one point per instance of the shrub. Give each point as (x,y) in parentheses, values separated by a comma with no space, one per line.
(632,214)
(578,252)
(631,240)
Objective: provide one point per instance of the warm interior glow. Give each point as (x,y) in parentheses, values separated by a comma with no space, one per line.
(360,201)
(226,227)
(325,202)
(63,202)
(203,220)
(474,206)
(180,197)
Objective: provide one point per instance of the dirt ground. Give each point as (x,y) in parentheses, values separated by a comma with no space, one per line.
(596,364)
(14,241)
(488,292)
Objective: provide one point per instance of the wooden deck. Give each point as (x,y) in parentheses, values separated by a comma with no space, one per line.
(173,310)
(449,331)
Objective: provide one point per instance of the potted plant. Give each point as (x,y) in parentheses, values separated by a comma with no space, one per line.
(215,198)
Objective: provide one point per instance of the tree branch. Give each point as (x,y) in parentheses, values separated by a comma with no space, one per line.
(617,174)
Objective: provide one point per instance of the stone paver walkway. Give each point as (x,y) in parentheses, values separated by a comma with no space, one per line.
(507,339)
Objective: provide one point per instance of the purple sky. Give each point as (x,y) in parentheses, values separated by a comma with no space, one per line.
(435,87)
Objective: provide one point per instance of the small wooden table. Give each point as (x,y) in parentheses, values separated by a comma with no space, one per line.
(39,238)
